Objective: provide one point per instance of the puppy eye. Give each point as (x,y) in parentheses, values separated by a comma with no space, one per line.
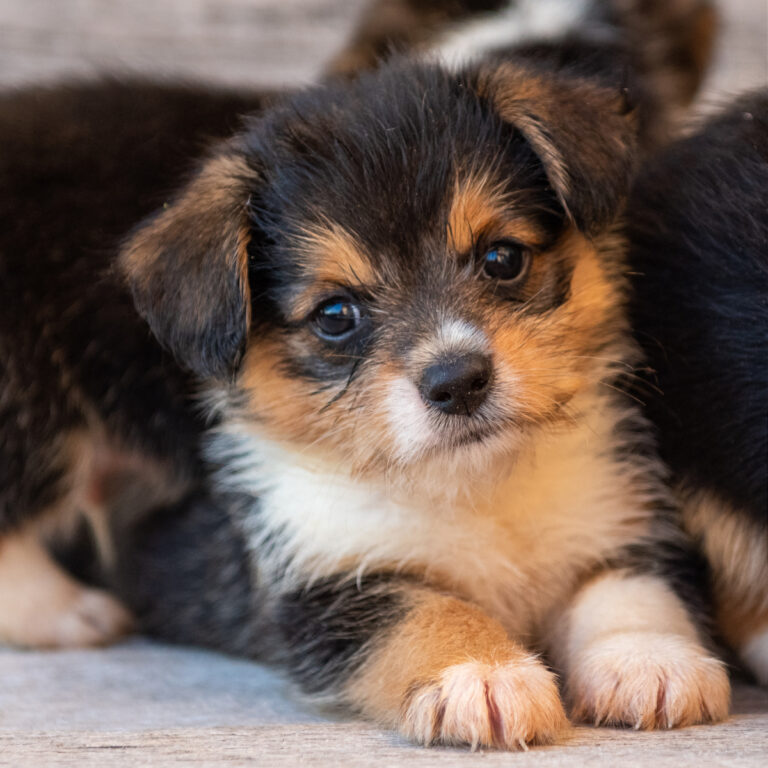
(506,261)
(337,318)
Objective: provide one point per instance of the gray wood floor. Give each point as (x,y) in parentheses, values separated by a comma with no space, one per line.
(143,704)
(229,41)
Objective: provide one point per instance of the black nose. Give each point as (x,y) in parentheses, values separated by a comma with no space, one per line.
(457,385)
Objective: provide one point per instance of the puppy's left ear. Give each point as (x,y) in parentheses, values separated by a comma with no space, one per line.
(187,267)
(584,134)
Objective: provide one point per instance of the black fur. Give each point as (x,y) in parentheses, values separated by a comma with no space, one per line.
(699,268)
(186,574)
(323,630)
(188,577)
(668,552)
(378,157)
(655,52)
(385,125)
(79,166)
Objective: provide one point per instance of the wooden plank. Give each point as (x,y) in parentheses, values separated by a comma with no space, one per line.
(142,704)
(741,743)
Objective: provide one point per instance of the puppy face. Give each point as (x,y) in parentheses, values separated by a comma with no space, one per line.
(401,268)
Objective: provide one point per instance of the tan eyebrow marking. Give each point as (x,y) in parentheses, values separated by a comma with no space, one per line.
(481,206)
(331,257)
(334,255)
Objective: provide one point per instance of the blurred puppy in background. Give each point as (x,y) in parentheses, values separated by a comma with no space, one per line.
(95,420)
(660,49)
(699,264)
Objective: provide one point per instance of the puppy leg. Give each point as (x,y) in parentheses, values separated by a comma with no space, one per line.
(737,550)
(43,607)
(754,651)
(434,667)
(631,655)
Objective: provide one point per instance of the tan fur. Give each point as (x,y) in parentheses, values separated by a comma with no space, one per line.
(42,607)
(102,478)
(347,495)
(630,655)
(111,480)
(673,42)
(550,113)
(449,674)
(482,209)
(526,101)
(544,361)
(361,475)
(553,356)
(486,524)
(288,408)
(333,258)
(213,199)
(188,267)
(737,551)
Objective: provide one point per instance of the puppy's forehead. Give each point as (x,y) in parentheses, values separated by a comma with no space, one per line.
(385,182)
(380,157)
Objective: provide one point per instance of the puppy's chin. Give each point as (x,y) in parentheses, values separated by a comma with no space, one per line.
(458,473)
(422,437)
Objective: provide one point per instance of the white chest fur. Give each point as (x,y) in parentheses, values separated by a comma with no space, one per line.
(516,545)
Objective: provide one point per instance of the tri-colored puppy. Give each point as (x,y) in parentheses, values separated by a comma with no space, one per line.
(406,293)
(699,257)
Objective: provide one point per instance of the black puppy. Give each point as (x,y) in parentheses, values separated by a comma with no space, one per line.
(698,228)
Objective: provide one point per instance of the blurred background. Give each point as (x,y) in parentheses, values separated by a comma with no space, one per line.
(258,42)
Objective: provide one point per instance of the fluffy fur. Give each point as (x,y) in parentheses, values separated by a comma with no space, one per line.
(698,230)
(384,534)
(658,51)
(95,419)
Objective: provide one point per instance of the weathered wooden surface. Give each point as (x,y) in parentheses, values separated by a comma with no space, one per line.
(144,704)
(740,744)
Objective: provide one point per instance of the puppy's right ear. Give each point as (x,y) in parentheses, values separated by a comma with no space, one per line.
(187,267)
(582,132)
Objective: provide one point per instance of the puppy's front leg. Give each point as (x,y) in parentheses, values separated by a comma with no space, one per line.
(433,666)
(631,655)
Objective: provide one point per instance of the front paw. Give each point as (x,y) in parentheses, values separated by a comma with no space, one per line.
(507,705)
(72,617)
(647,680)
